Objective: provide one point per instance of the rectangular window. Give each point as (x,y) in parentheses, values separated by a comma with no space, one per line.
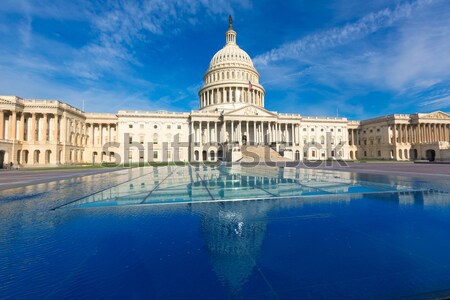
(130,125)
(179,127)
(168,126)
(155,154)
(141,154)
(141,139)
(130,155)
(130,140)
(142,126)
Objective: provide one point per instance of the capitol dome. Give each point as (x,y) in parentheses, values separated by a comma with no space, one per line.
(230,54)
(231,80)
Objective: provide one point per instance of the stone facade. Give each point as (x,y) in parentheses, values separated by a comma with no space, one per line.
(401,137)
(231,116)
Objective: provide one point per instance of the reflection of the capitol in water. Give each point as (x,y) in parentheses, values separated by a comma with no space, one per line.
(171,185)
(233,233)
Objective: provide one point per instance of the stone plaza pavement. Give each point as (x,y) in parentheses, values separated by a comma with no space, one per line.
(18,178)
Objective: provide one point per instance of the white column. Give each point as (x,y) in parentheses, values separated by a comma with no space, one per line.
(208,134)
(45,127)
(238,131)
(223,132)
(232,132)
(247,133)
(12,125)
(32,133)
(200,132)
(215,132)
(254,132)
(2,124)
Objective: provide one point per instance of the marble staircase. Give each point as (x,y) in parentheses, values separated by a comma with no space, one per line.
(264,153)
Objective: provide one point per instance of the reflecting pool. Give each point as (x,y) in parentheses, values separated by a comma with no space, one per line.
(185,232)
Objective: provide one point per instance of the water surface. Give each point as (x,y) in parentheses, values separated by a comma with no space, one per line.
(305,234)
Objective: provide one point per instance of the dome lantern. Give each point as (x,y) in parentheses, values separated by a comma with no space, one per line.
(230,35)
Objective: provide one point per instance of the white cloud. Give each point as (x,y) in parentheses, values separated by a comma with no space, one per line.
(406,59)
(437,103)
(43,66)
(370,23)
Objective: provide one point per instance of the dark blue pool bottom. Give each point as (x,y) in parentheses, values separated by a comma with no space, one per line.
(373,246)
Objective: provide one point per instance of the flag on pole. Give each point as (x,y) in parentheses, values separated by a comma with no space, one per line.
(250,86)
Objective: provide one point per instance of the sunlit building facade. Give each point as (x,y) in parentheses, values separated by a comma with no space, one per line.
(231,124)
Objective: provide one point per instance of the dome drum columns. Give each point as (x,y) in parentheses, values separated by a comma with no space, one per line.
(231,94)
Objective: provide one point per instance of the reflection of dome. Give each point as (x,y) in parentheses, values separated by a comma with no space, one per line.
(231,80)
(233,233)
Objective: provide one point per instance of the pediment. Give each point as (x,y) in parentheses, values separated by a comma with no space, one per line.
(251,110)
(436,115)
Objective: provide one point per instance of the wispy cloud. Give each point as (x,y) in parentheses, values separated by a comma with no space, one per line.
(400,54)
(342,35)
(105,54)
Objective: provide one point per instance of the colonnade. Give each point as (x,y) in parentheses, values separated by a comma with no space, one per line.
(255,132)
(231,95)
(101,133)
(34,127)
(420,133)
(353,136)
(410,133)
(43,131)
(37,127)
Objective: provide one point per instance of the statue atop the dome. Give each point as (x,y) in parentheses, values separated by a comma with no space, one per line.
(230,20)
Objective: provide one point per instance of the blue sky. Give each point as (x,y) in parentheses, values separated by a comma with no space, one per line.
(359,59)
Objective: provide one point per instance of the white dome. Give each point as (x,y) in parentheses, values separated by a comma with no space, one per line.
(231,80)
(230,54)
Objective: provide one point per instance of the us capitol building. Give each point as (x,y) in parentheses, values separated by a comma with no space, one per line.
(231,124)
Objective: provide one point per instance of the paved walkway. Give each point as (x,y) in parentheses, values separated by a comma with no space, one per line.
(18,178)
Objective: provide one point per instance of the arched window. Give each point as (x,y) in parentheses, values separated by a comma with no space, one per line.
(196,154)
(322,140)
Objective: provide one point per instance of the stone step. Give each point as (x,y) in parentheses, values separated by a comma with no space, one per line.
(261,153)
